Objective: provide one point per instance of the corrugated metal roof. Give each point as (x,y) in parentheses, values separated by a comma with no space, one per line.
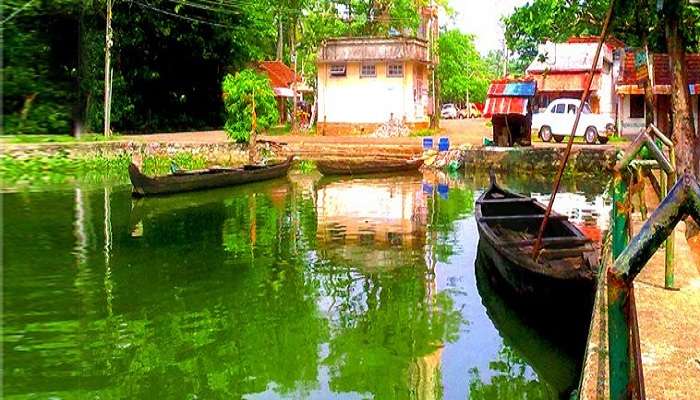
(519,89)
(505,105)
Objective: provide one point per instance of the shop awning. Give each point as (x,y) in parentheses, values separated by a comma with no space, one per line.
(565,82)
(505,105)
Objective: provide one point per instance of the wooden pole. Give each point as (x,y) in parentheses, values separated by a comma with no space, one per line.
(584,97)
(253,134)
(108,75)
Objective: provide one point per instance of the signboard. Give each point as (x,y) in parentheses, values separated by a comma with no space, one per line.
(640,66)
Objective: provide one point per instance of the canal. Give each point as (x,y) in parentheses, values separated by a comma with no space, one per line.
(305,287)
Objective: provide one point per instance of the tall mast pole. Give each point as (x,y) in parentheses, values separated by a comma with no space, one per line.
(108,75)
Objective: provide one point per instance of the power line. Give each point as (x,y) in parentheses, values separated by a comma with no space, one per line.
(191,19)
(204,7)
(16,12)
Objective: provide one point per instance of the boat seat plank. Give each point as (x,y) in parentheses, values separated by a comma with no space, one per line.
(549,254)
(551,240)
(521,217)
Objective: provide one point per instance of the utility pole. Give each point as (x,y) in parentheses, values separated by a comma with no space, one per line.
(108,73)
(295,124)
(434,60)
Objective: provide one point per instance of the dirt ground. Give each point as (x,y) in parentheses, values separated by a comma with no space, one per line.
(459,131)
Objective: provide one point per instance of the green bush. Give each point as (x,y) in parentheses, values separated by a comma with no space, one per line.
(238,92)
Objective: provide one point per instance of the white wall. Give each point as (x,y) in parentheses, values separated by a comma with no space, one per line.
(629,126)
(355,99)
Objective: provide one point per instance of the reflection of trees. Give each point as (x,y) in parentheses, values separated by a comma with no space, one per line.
(444,213)
(509,380)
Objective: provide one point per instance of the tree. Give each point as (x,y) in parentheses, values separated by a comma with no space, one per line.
(461,69)
(240,92)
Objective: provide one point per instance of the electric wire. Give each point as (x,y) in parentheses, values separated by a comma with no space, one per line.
(17,11)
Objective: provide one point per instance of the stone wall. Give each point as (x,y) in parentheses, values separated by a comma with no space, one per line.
(538,159)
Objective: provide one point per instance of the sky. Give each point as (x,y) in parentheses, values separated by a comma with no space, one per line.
(482,18)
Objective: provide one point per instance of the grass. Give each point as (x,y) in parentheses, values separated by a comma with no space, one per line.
(92,137)
(60,168)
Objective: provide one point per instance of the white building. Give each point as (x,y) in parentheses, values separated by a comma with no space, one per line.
(365,82)
(561,71)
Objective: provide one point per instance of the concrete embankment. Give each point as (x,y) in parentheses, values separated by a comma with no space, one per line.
(544,159)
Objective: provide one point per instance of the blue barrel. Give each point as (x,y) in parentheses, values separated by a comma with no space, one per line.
(427,143)
(443,189)
(444,144)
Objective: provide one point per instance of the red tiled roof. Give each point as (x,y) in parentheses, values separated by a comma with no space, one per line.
(280,74)
(662,69)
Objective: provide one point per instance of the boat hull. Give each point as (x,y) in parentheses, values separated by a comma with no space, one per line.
(349,167)
(536,289)
(176,183)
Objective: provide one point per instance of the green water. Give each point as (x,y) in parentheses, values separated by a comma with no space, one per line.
(296,288)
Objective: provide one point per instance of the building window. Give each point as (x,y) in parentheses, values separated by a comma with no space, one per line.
(368,70)
(338,70)
(636,106)
(394,70)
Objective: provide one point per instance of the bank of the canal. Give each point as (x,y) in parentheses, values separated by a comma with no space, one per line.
(25,161)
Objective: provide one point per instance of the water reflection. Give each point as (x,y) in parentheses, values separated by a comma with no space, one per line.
(298,287)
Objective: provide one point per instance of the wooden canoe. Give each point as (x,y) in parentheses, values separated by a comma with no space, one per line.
(508,224)
(366,166)
(204,179)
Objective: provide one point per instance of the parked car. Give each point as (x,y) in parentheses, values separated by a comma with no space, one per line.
(449,111)
(557,120)
(474,114)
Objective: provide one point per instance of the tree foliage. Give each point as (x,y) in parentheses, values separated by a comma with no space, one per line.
(557,20)
(461,68)
(241,91)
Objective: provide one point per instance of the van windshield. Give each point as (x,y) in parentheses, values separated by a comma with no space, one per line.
(586,109)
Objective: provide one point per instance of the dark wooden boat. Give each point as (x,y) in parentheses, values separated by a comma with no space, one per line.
(366,166)
(204,179)
(565,268)
(552,348)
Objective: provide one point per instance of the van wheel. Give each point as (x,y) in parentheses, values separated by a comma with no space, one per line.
(558,138)
(591,135)
(603,139)
(546,134)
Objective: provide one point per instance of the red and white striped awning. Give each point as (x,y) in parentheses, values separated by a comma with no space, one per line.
(505,105)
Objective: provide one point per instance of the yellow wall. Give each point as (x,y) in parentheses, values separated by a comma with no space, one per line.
(355,99)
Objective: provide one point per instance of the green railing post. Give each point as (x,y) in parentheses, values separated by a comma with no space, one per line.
(620,210)
(670,242)
(618,338)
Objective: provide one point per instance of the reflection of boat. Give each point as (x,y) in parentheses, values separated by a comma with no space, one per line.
(551,349)
(146,207)
(508,224)
(366,166)
(204,179)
